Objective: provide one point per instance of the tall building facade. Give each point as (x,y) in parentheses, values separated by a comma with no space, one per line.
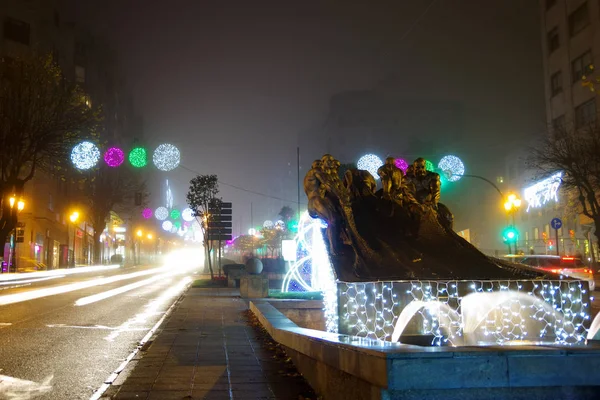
(571,47)
(46,238)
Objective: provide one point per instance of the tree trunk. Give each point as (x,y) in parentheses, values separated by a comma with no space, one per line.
(208,255)
(97,247)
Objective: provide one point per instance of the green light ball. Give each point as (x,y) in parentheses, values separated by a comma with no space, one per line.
(175,214)
(138,157)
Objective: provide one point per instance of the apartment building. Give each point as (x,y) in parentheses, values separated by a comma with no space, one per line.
(571,47)
(46,236)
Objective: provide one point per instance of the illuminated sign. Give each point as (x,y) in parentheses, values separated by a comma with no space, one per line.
(543,191)
(288,250)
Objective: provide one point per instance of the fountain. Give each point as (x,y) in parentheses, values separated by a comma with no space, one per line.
(404,275)
(414,311)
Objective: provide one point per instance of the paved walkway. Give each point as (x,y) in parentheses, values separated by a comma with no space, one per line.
(207,349)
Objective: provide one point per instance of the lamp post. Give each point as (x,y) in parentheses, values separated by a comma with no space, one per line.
(20,206)
(139,234)
(511,206)
(74,217)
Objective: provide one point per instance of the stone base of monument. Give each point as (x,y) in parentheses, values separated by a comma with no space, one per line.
(254,286)
(342,366)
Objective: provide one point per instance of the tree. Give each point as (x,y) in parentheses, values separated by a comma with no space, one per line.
(246,243)
(286,213)
(201,197)
(272,239)
(42,116)
(576,154)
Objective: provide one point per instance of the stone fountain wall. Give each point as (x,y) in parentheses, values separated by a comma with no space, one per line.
(466,312)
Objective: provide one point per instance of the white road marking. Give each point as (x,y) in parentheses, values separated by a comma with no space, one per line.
(20,389)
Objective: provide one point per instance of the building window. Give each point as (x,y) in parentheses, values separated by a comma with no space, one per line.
(79,74)
(553,40)
(585,114)
(579,19)
(18,31)
(582,66)
(550,4)
(536,233)
(556,83)
(558,123)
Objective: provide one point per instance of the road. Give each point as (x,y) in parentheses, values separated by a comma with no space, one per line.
(64,344)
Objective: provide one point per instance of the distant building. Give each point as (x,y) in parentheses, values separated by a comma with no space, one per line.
(571,47)
(26,26)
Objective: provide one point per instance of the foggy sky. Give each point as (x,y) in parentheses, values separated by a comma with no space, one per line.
(238,84)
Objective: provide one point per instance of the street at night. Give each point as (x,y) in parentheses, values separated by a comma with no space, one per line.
(299,200)
(65,343)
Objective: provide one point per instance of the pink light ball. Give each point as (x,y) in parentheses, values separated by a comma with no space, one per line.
(114,157)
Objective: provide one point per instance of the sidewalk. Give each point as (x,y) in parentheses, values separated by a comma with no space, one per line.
(207,349)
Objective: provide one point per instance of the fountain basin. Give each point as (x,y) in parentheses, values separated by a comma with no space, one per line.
(467,312)
(349,367)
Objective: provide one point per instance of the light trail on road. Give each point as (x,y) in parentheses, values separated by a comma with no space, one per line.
(56,272)
(39,293)
(114,292)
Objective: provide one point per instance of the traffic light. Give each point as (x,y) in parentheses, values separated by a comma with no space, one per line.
(550,245)
(510,235)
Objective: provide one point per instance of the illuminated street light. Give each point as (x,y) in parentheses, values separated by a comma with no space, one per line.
(74,217)
(13,249)
(149,236)
(139,233)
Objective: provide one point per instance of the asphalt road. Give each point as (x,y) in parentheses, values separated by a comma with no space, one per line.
(65,344)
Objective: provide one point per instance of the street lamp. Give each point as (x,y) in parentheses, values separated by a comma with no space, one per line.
(74,217)
(20,206)
(511,206)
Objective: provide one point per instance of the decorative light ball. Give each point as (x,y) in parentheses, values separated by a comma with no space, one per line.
(166,157)
(429,166)
(85,155)
(453,167)
(177,224)
(402,164)
(138,157)
(167,225)
(147,213)
(251,231)
(280,225)
(187,214)
(370,163)
(175,214)
(268,224)
(114,157)
(161,213)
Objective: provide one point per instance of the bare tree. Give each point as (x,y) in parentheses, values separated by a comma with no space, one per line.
(577,154)
(42,115)
(201,197)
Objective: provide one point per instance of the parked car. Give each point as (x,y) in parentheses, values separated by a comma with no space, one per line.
(572,267)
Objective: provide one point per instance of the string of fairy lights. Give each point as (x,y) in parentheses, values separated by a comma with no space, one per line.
(467,312)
